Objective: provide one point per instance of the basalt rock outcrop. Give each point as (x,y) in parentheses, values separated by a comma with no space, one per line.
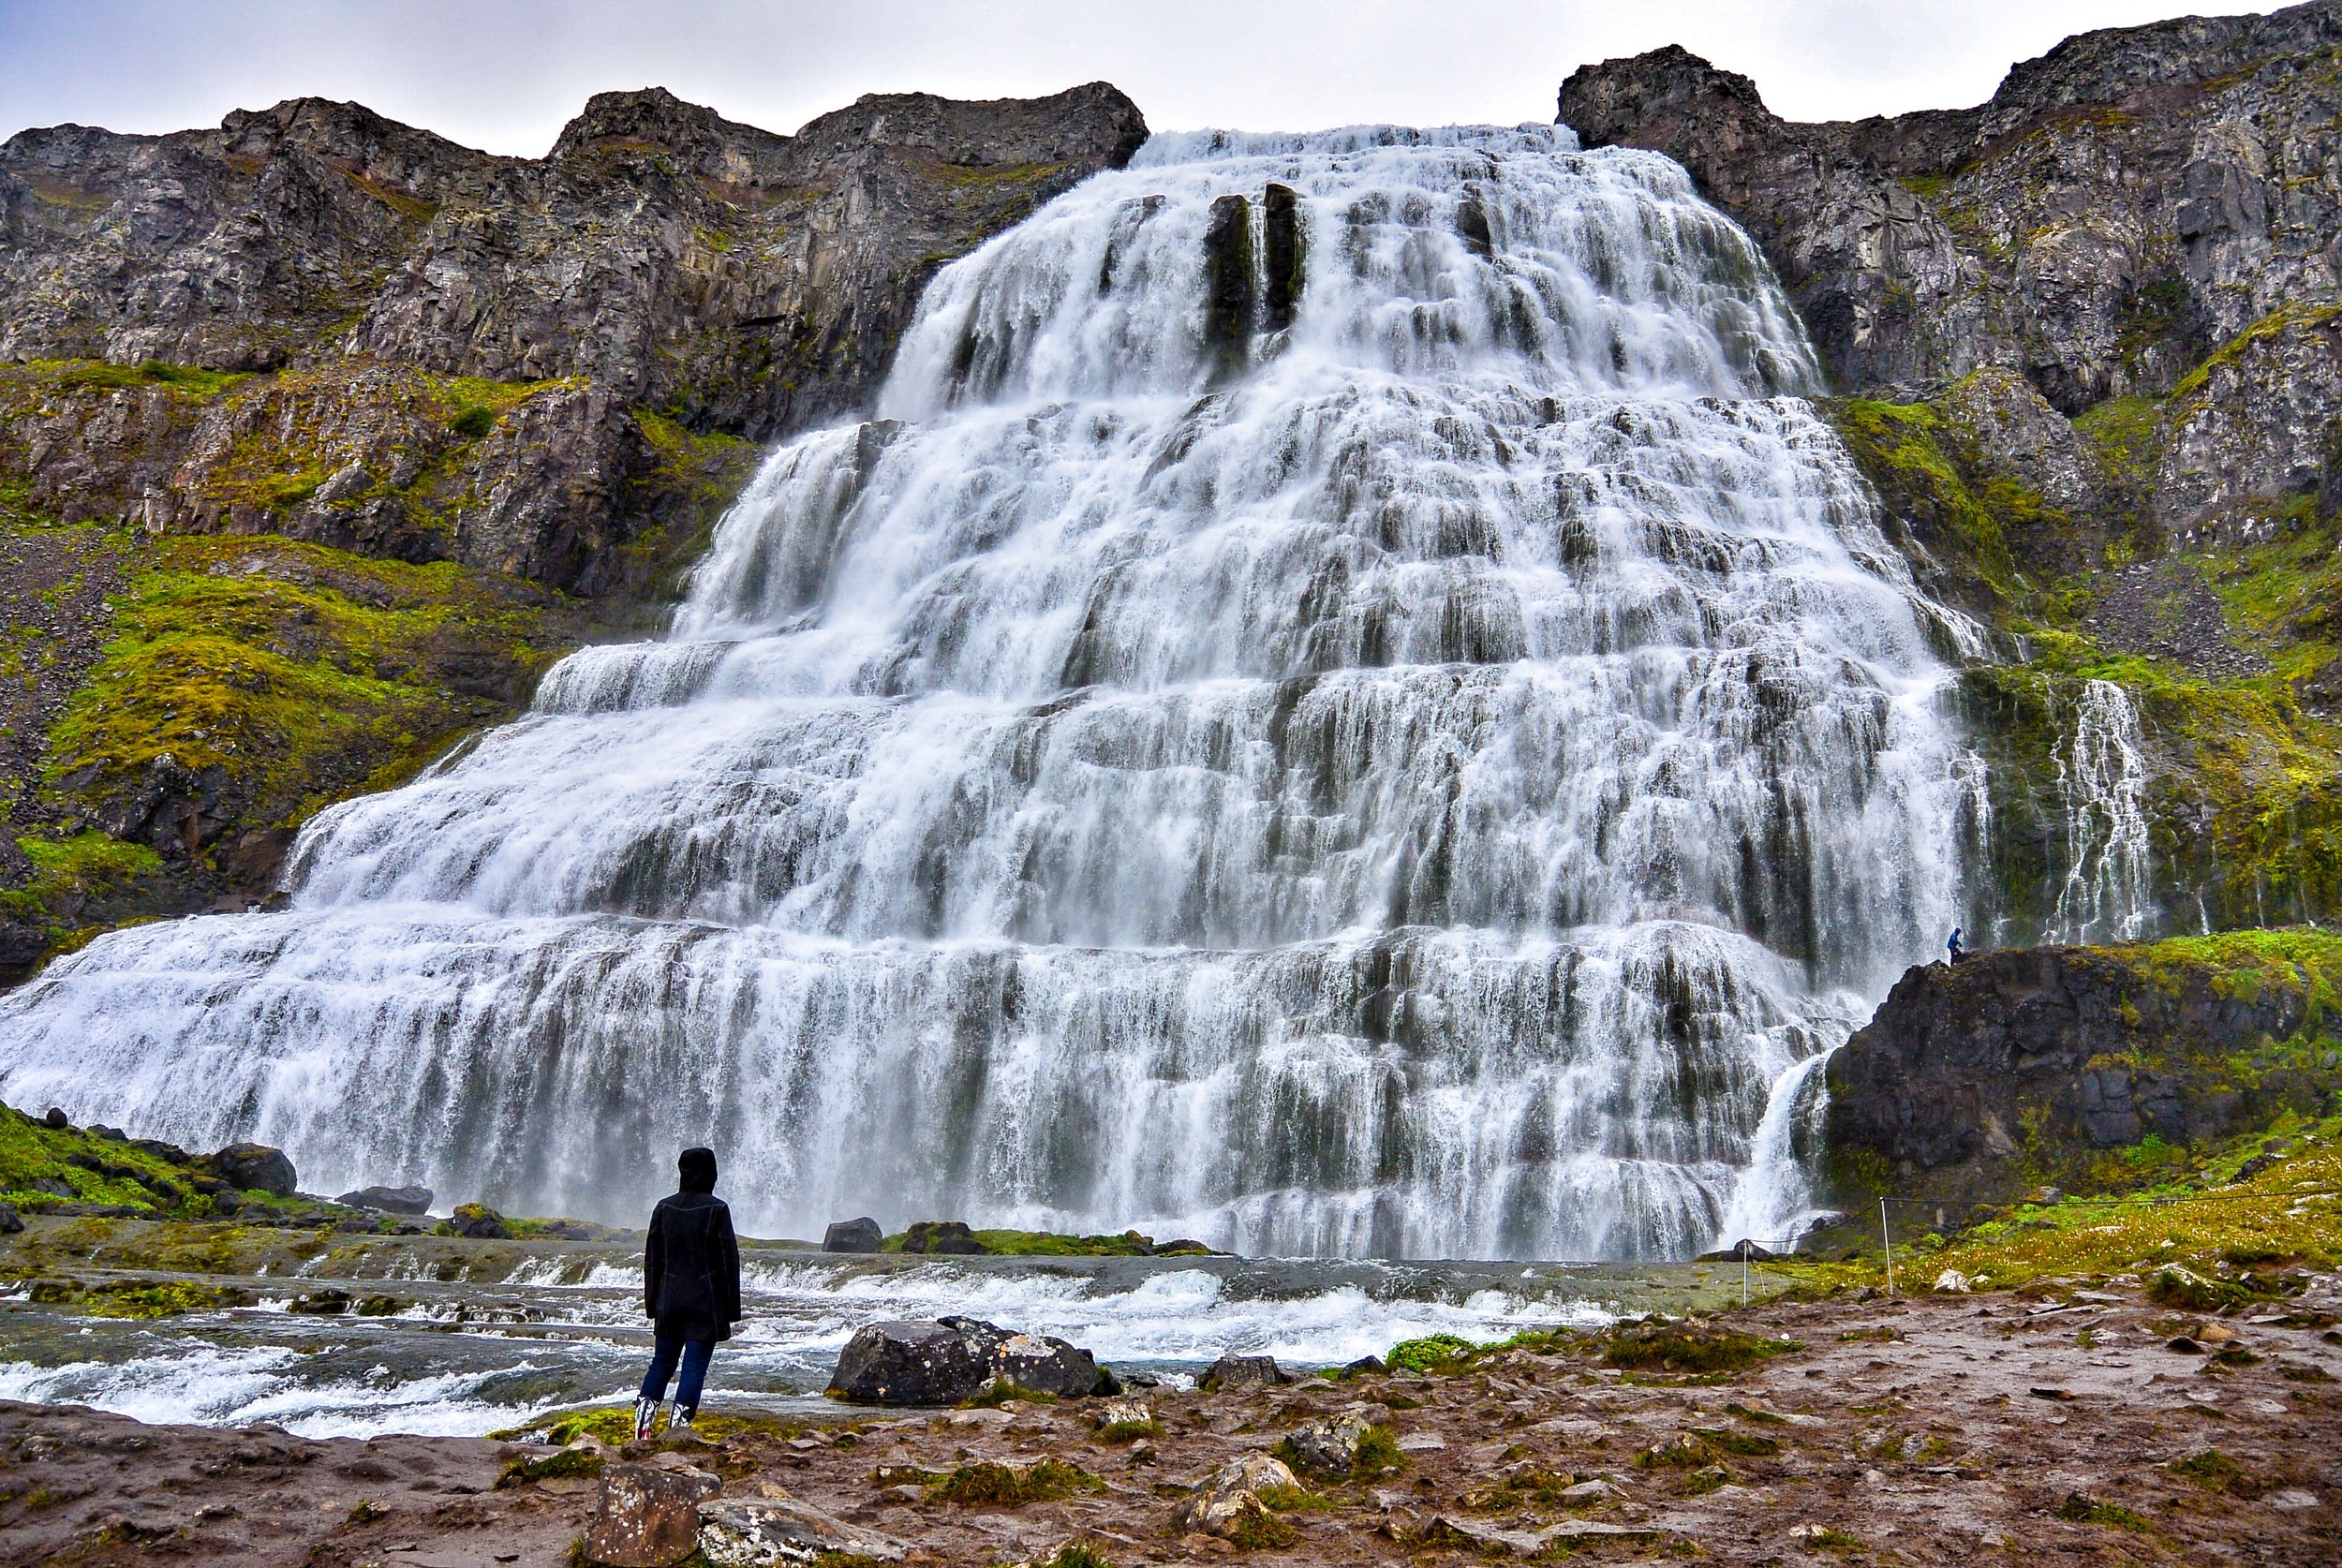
(317,326)
(2076,1065)
(660,257)
(2123,207)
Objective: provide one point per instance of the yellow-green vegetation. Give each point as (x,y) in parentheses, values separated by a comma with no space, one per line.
(40,1165)
(290,675)
(2082,1508)
(1009,1486)
(1429,1354)
(1688,1349)
(137,1298)
(552,1467)
(1000,1391)
(1130,1431)
(1050,1244)
(409,431)
(1908,450)
(2242,1236)
(71,875)
(2287,318)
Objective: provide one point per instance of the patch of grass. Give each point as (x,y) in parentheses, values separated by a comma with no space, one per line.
(1011,1486)
(552,1467)
(472,422)
(2214,1472)
(1074,1554)
(1000,1391)
(1744,1444)
(1378,1451)
(1130,1431)
(1258,1528)
(164,1299)
(1688,1347)
(2082,1508)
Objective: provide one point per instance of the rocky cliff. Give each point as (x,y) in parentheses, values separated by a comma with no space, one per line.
(2087,340)
(320,436)
(2085,1067)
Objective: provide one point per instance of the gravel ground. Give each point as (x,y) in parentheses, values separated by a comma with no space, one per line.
(1943,1430)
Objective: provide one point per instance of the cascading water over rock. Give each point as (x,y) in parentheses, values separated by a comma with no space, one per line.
(1348,705)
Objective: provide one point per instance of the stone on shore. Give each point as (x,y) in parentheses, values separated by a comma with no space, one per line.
(1327,1448)
(257,1168)
(945,1238)
(853,1236)
(390,1200)
(479,1222)
(774,1528)
(648,1517)
(950,1360)
(1219,1503)
(1243,1371)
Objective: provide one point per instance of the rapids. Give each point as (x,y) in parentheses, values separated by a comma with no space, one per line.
(1346,705)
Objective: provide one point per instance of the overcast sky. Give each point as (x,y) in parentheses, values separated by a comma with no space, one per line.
(505,74)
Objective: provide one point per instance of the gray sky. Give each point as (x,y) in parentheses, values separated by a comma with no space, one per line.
(505,74)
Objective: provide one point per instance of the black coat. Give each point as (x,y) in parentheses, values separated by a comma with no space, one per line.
(691,1268)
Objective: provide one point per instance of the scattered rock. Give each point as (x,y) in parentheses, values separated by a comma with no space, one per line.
(1241,1371)
(324,1303)
(943,1362)
(11,1222)
(56,1120)
(1365,1365)
(853,1236)
(1952,1282)
(776,1527)
(1743,1250)
(479,1222)
(1422,1443)
(647,1517)
(1219,1503)
(390,1200)
(257,1168)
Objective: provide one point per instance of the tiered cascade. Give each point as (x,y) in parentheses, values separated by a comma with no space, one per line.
(1348,705)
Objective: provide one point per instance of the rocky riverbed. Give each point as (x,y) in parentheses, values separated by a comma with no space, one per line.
(2074,1424)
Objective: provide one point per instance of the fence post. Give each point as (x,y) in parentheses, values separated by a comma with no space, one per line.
(1888,1244)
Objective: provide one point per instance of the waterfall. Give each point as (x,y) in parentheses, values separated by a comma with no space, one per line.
(2108,893)
(1346,705)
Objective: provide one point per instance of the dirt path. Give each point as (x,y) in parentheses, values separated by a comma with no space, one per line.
(1946,1430)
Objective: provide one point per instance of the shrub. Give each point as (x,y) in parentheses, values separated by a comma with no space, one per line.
(473,422)
(1430,1352)
(1008,1485)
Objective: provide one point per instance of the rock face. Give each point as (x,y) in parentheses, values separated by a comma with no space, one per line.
(1983,1079)
(2121,208)
(322,326)
(853,1236)
(495,360)
(949,1360)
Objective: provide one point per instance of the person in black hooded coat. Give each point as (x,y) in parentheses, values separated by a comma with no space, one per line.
(690,1290)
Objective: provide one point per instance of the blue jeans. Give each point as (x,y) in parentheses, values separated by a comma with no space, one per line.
(694,1353)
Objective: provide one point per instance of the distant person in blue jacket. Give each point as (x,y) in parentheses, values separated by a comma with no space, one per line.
(1952,944)
(690,1290)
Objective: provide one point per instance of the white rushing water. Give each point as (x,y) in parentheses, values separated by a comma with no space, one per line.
(2108,893)
(1348,706)
(571,1341)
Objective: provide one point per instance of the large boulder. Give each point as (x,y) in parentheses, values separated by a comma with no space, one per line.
(948,1360)
(646,1517)
(257,1168)
(390,1200)
(853,1236)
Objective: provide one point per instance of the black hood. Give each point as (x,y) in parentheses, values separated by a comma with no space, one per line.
(698,1166)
